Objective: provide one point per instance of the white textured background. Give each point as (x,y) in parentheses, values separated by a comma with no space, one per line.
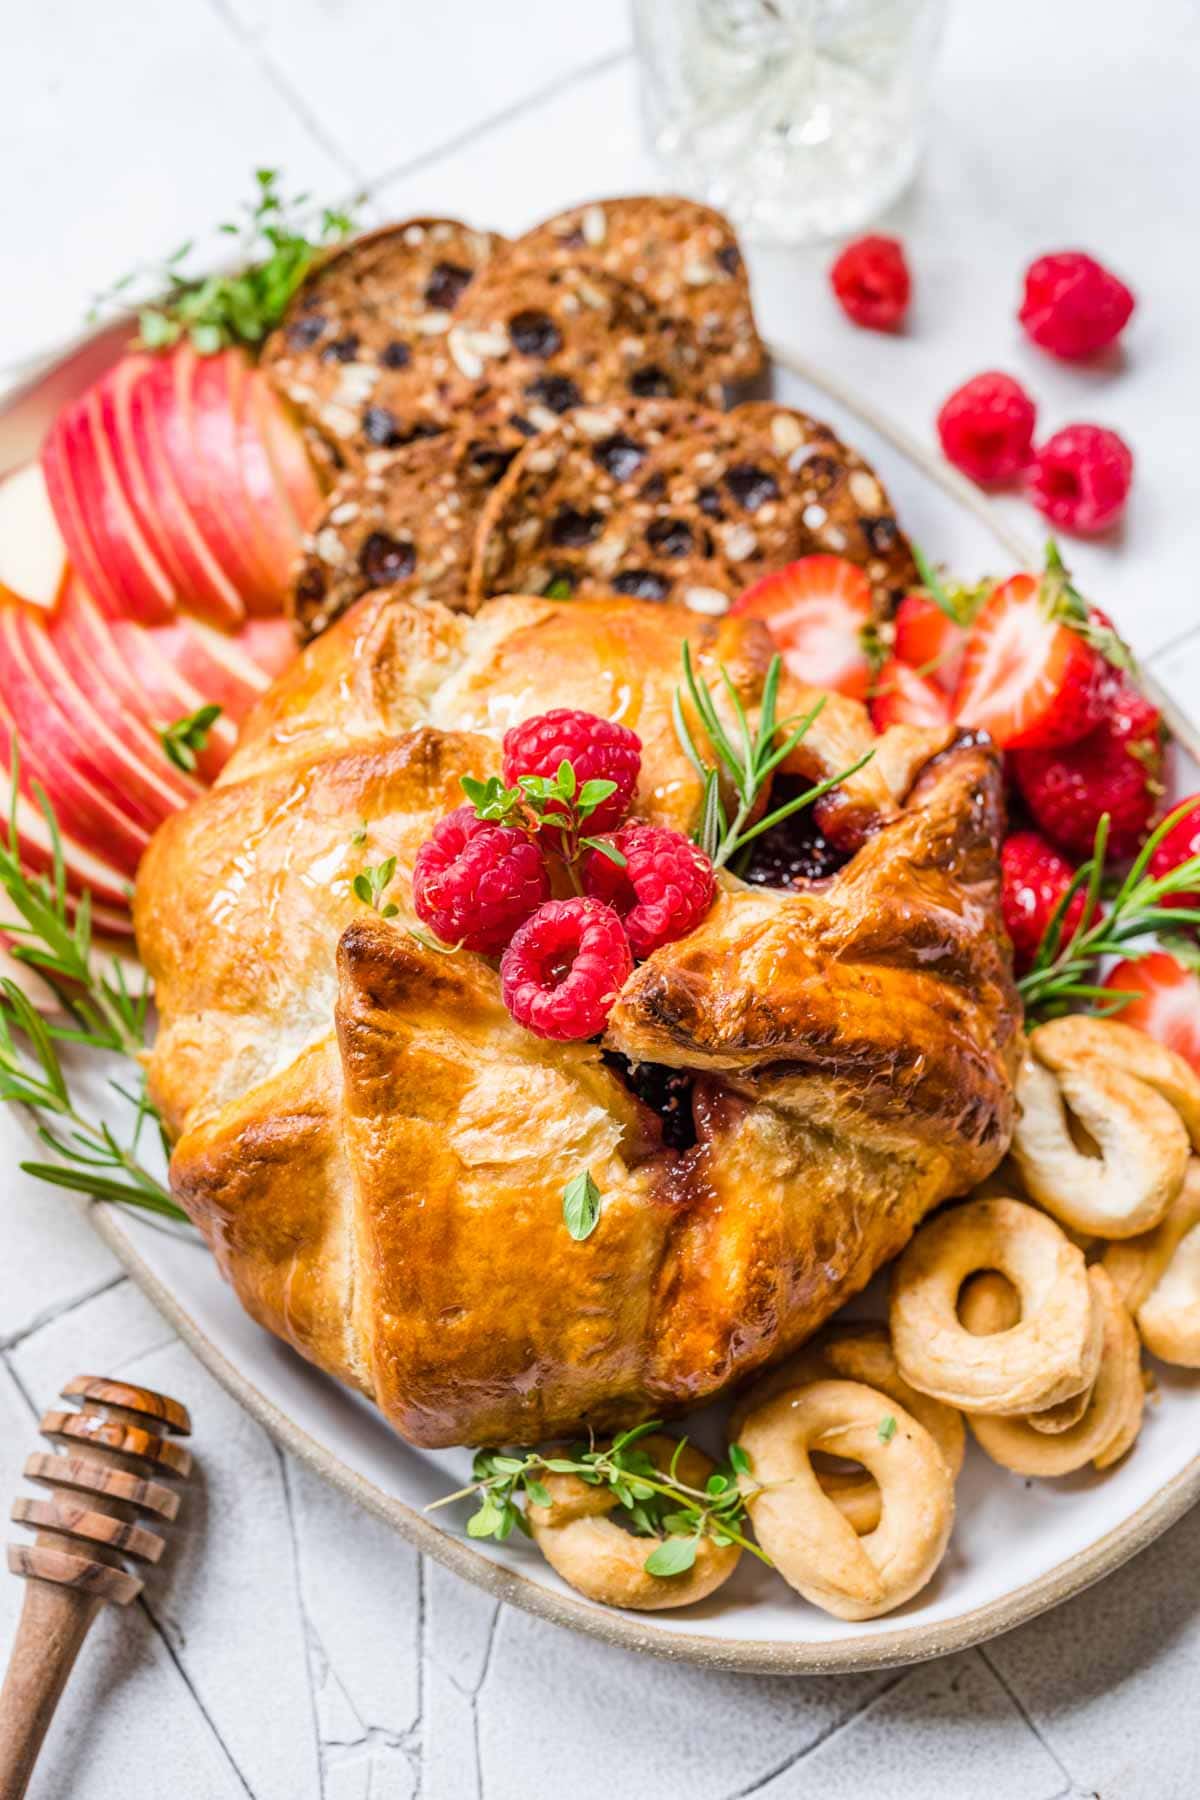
(293,1649)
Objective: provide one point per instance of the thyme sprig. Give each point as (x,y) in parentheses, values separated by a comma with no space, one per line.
(653,1502)
(185,739)
(98,1010)
(748,763)
(276,253)
(537,803)
(1062,975)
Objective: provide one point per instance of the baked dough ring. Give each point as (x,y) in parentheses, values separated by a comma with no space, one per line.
(1114,1411)
(857,1351)
(1036,1363)
(1139,1102)
(594,1555)
(1158,1277)
(989,1302)
(812,1545)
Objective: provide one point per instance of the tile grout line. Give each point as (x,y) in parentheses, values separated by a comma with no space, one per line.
(146,1612)
(308,1629)
(291,97)
(1016,1701)
(60,1311)
(505,115)
(795,1757)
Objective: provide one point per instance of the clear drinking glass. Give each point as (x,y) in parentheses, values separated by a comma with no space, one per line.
(798,118)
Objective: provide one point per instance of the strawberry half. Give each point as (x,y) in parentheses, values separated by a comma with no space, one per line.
(1179,845)
(1029,679)
(899,696)
(1166,1003)
(817,610)
(1117,769)
(1033,879)
(928,640)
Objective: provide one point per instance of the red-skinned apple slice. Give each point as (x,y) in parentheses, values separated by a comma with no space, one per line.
(162,440)
(33,558)
(96,675)
(211,385)
(118,391)
(270,505)
(297,488)
(199,443)
(86,813)
(146,587)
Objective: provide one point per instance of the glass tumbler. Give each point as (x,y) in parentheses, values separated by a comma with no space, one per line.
(799,118)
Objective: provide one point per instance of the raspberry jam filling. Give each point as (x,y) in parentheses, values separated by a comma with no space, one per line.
(666,1091)
(794,852)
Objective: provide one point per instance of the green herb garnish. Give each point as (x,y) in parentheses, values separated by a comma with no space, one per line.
(653,1502)
(216,310)
(886,1430)
(748,764)
(188,737)
(369,886)
(581,1205)
(541,801)
(1062,975)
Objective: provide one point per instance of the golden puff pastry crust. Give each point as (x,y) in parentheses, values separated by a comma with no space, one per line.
(376,1151)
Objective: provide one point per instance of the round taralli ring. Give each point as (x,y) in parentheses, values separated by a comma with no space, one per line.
(1111,1420)
(594,1555)
(989,1302)
(1138,1102)
(1158,1277)
(857,1351)
(1037,1362)
(811,1543)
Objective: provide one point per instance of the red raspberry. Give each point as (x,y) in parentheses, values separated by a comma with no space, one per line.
(474,882)
(1080,478)
(597,749)
(1116,769)
(1179,845)
(986,427)
(1073,306)
(1034,878)
(664,890)
(872,283)
(565,967)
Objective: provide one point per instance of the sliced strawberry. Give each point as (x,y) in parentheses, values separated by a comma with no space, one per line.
(899,696)
(817,610)
(1166,1003)
(1027,678)
(1033,879)
(929,640)
(1117,769)
(1179,845)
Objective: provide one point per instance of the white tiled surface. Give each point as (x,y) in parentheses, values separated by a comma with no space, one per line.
(293,1649)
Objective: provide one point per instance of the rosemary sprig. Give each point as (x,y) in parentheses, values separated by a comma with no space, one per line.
(749,763)
(654,1501)
(98,1010)
(215,310)
(1061,977)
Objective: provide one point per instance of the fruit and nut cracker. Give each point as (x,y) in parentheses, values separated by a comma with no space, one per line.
(361,354)
(684,255)
(529,342)
(407,520)
(656,499)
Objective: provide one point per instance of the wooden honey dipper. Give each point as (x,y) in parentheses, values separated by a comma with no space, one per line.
(116,1448)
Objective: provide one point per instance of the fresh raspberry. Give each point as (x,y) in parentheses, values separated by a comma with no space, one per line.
(565,967)
(664,890)
(1073,305)
(986,427)
(1033,879)
(872,283)
(1080,478)
(1117,769)
(474,882)
(1179,845)
(597,749)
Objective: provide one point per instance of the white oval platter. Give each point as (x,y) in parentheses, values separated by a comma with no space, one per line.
(1018,1547)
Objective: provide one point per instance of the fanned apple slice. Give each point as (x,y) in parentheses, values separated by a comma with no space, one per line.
(203,387)
(33,558)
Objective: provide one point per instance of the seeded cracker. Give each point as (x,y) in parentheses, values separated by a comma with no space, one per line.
(406,520)
(684,255)
(361,353)
(660,500)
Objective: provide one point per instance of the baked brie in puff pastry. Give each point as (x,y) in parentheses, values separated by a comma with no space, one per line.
(377,1151)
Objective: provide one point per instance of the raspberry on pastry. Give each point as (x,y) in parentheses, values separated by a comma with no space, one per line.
(564,968)
(664,889)
(474,882)
(597,749)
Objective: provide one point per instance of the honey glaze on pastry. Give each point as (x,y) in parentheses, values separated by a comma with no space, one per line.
(377,1152)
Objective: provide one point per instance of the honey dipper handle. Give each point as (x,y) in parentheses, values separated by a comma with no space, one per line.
(54,1623)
